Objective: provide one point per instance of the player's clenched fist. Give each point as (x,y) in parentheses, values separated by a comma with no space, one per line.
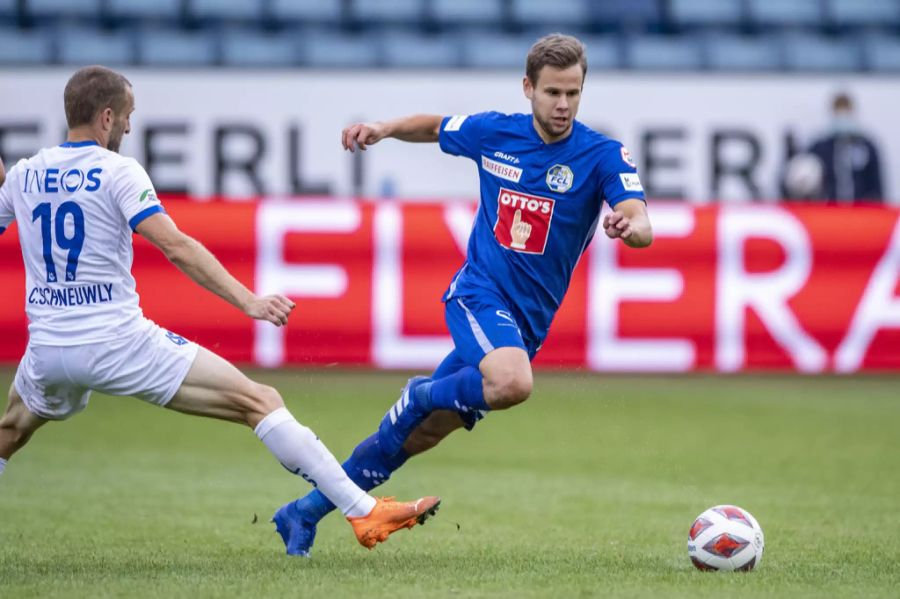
(616,224)
(362,134)
(273,308)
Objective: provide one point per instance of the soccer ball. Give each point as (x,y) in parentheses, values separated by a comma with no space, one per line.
(725,537)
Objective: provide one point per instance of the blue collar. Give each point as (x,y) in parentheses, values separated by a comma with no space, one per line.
(78,144)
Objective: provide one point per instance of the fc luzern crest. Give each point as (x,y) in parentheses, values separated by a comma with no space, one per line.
(559,178)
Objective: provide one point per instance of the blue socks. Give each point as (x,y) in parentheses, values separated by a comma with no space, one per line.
(461,391)
(370,466)
(367,466)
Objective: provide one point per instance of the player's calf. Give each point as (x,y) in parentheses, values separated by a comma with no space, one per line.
(16,425)
(432,431)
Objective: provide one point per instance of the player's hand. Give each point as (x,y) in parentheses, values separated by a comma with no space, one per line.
(273,308)
(361,135)
(519,232)
(616,224)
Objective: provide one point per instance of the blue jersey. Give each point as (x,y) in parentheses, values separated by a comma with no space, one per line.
(540,205)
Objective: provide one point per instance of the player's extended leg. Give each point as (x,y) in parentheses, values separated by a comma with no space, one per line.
(215,388)
(368,466)
(16,427)
(504,379)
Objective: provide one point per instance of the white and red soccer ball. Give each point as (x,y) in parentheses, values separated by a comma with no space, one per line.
(725,537)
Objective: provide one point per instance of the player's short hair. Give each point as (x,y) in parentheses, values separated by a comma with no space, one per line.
(555,50)
(91,90)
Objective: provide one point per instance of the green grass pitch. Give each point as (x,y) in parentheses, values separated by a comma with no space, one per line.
(586,490)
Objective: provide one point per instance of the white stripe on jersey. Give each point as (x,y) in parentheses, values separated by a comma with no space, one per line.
(455,122)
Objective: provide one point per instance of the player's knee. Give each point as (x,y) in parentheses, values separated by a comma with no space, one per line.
(263,400)
(511,389)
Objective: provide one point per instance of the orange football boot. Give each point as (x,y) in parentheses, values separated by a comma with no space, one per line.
(389,516)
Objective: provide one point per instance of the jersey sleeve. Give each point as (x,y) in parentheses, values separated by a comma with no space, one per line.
(7,209)
(460,134)
(619,178)
(133,193)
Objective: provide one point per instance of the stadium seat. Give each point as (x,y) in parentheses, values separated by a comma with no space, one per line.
(9,9)
(732,52)
(85,45)
(254,48)
(489,50)
(550,13)
(786,13)
(812,52)
(480,13)
(326,50)
(225,10)
(706,13)
(25,46)
(390,12)
(604,52)
(87,10)
(635,15)
(302,12)
(882,53)
(417,50)
(868,13)
(653,52)
(172,47)
(145,10)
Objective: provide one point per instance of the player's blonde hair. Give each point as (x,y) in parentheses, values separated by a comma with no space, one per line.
(91,90)
(556,50)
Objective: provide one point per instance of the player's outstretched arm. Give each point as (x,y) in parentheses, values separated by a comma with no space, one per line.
(415,128)
(629,222)
(203,268)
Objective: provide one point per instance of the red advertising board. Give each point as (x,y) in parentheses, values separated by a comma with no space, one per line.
(730,288)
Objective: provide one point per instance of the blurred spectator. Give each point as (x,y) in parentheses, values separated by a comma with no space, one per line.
(843,165)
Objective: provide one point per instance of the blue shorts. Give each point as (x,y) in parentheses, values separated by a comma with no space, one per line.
(480,324)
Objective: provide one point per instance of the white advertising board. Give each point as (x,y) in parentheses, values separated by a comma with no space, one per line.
(272,133)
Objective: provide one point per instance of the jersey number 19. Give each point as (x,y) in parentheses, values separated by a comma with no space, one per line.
(73,244)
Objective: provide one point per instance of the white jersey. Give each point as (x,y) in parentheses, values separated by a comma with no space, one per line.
(76,206)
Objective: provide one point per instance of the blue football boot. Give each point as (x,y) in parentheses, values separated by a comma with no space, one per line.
(296,529)
(405,415)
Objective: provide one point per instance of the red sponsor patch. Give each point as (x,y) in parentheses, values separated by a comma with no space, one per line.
(523,221)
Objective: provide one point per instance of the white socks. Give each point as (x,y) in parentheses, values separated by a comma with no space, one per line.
(301,452)
(2,465)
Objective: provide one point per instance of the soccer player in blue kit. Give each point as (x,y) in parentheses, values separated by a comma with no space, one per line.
(544,177)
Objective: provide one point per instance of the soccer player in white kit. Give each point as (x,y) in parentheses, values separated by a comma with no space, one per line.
(76,206)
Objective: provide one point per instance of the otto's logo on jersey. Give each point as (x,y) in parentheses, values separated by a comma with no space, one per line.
(559,178)
(53,180)
(523,221)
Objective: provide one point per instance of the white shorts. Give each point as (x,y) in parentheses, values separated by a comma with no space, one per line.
(55,382)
